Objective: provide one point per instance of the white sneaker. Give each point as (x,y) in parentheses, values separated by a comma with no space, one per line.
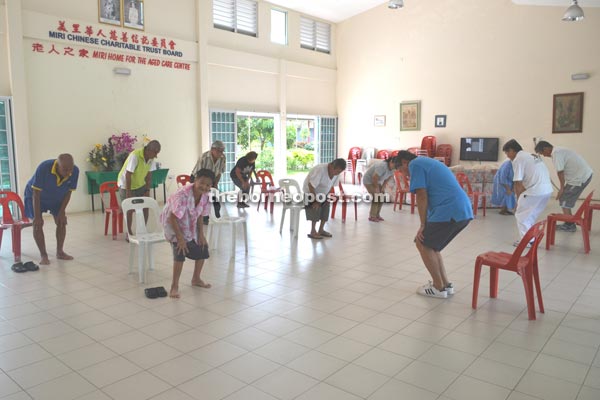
(430,291)
(449,288)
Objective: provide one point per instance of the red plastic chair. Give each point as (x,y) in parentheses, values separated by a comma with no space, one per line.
(463,181)
(382,155)
(183,180)
(526,266)
(579,218)
(112,209)
(593,206)
(345,199)
(429,143)
(414,150)
(354,154)
(403,189)
(394,153)
(267,188)
(16,223)
(445,151)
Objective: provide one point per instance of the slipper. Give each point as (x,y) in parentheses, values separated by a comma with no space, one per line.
(314,236)
(18,267)
(161,291)
(325,234)
(151,293)
(31,266)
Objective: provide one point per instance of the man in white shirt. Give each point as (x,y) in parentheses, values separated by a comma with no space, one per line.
(574,174)
(317,185)
(531,185)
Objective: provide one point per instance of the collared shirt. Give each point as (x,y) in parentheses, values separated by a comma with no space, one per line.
(532,172)
(53,189)
(181,204)
(207,162)
(576,170)
(138,167)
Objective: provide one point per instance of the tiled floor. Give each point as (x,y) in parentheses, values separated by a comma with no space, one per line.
(330,319)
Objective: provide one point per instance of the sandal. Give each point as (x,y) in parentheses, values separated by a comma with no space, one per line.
(161,291)
(151,293)
(310,235)
(18,267)
(31,266)
(325,234)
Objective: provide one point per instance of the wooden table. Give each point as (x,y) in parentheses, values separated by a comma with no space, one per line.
(97,178)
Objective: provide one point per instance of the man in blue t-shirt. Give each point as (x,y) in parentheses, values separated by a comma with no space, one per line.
(444,210)
(50,190)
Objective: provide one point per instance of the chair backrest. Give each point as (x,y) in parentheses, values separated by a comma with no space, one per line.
(368,153)
(138,204)
(383,155)
(429,143)
(7,197)
(413,150)
(183,180)
(110,187)
(355,153)
(583,208)
(444,150)
(394,153)
(266,178)
(535,233)
(291,191)
(463,181)
(401,180)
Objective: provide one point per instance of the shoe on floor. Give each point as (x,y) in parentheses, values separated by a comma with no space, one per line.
(449,288)
(373,219)
(430,291)
(567,228)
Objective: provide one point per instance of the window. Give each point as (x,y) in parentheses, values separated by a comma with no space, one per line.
(278,26)
(315,35)
(236,16)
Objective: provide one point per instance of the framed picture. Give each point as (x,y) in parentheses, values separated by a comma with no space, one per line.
(379,120)
(133,14)
(410,115)
(567,113)
(440,121)
(109,12)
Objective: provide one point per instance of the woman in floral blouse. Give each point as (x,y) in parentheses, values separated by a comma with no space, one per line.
(182,222)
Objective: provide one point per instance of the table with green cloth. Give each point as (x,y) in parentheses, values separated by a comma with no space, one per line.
(97,178)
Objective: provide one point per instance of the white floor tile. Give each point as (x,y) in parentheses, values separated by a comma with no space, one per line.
(180,369)
(285,383)
(137,387)
(212,385)
(357,380)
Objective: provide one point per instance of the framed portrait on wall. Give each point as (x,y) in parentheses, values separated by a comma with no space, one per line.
(379,120)
(133,14)
(109,12)
(410,115)
(440,121)
(567,113)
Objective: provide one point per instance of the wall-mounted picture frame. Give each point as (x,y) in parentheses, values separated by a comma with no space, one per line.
(410,115)
(133,14)
(440,121)
(379,120)
(567,113)
(109,12)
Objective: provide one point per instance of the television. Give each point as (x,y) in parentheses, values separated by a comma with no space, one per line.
(479,149)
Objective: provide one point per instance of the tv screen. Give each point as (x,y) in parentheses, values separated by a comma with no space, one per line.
(479,149)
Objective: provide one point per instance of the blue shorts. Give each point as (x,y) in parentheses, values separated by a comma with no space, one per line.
(53,209)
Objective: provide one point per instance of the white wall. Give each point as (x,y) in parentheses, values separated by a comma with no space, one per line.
(4,79)
(491,66)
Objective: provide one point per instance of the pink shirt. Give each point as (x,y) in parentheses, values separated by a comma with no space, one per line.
(181,204)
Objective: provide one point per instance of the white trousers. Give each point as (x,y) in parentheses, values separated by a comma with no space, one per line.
(528,210)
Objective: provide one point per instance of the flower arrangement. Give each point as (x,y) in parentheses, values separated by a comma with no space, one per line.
(102,156)
(123,145)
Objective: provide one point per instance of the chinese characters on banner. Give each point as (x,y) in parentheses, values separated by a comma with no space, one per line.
(121,40)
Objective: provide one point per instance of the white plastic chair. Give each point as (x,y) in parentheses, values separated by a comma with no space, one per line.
(292,200)
(145,234)
(349,169)
(225,219)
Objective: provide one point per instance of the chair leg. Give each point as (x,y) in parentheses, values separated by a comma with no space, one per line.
(344,207)
(484,202)
(538,286)
(150,257)
(355,211)
(141,261)
(586,237)
(1,234)
(115,222)
(233,238)
(283,219)
(131,258)
(548,232)
(476,279)
(475,204)
(259,200)
(16,242)
(106,221)
(396,200)
(245,229)
(526,277)
(494,272)
(333,207)
(120,221)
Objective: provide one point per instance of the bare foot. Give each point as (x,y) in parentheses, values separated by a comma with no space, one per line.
(63,256)
(201,283)
(174,293)
(45,261)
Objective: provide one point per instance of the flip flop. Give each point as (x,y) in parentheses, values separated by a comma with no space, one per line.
(18,267)
(161,291)
(314,236)
(151,293)
(31,266)
(325,234)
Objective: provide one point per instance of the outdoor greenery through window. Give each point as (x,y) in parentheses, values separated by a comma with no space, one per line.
(315,35)
(236,15)
(278,26)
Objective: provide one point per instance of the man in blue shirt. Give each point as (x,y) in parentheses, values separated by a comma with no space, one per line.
(50,190)
(444,210)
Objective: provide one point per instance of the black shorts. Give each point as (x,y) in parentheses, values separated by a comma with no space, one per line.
(317,214)
(437,235)
(195,252)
